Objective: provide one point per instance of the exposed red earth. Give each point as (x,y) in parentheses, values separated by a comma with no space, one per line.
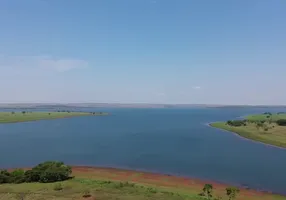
(161,181)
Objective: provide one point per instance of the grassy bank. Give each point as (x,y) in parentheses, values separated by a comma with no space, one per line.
(108,184)
(13,117)
(269,132)
(259,117)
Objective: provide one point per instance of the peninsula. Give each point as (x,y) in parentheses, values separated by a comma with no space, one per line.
(268,128)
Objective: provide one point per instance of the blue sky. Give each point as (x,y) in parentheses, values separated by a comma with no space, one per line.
(143,51)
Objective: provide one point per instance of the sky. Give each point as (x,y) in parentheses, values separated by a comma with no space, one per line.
(143,51)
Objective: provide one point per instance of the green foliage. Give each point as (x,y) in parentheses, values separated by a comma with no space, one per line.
(58,187)
(267,113)
(52,171)
(46,172)
(17,176)
(281,122)
(4,176)
(208,191)
(232,192)
(236,122)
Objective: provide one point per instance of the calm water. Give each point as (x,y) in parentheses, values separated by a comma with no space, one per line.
(173,141)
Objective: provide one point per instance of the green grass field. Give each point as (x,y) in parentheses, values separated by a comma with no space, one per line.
(105,190)
(259,117)
(275,135)
(116,184)
(13,117)
(101,190)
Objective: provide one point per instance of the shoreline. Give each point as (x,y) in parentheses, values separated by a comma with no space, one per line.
(177,181)
(242,137)
(157,179)
(54,117)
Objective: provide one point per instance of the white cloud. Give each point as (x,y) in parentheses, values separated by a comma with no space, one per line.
(196,87)
(41,62)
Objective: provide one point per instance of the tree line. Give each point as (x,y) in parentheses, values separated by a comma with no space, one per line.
(47,172)
(258,123)
(231,192)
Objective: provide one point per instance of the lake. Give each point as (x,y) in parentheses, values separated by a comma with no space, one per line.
(172,141)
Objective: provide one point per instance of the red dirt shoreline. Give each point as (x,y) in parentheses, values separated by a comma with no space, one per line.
(156,179)
(162,180)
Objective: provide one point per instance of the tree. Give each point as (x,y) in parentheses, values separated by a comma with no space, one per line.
(51,171)
(23,112)
(32,176)
(4,176)
(267,113)
(232,192)
(236,123)
(17,176)
(208,190)
(46,172)
(281,122)
(259,124)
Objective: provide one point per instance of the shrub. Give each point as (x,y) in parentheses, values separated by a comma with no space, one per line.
(86,194)
(281,122)
(151,190)
(4,176)
(208,190)
(267,113)
(17,176)
(32,176)
(46,172)
(236,123)
(232,192)
(52,171)
(58,187)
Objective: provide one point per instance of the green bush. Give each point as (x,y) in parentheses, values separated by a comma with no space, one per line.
(52,171)
(281,122)
(32,176)
(58,187)
(17,176)
(46,172)
(236,122)
(4,176)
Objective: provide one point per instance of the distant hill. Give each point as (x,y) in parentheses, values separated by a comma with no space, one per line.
(127,105)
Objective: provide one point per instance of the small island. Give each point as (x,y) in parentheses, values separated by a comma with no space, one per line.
(268,128)
(25,116)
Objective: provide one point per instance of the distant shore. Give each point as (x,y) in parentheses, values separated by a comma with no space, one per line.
(127,105)
(26,116)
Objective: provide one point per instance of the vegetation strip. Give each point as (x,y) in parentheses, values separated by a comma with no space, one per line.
(24,116)
(267,128)
(55,180)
